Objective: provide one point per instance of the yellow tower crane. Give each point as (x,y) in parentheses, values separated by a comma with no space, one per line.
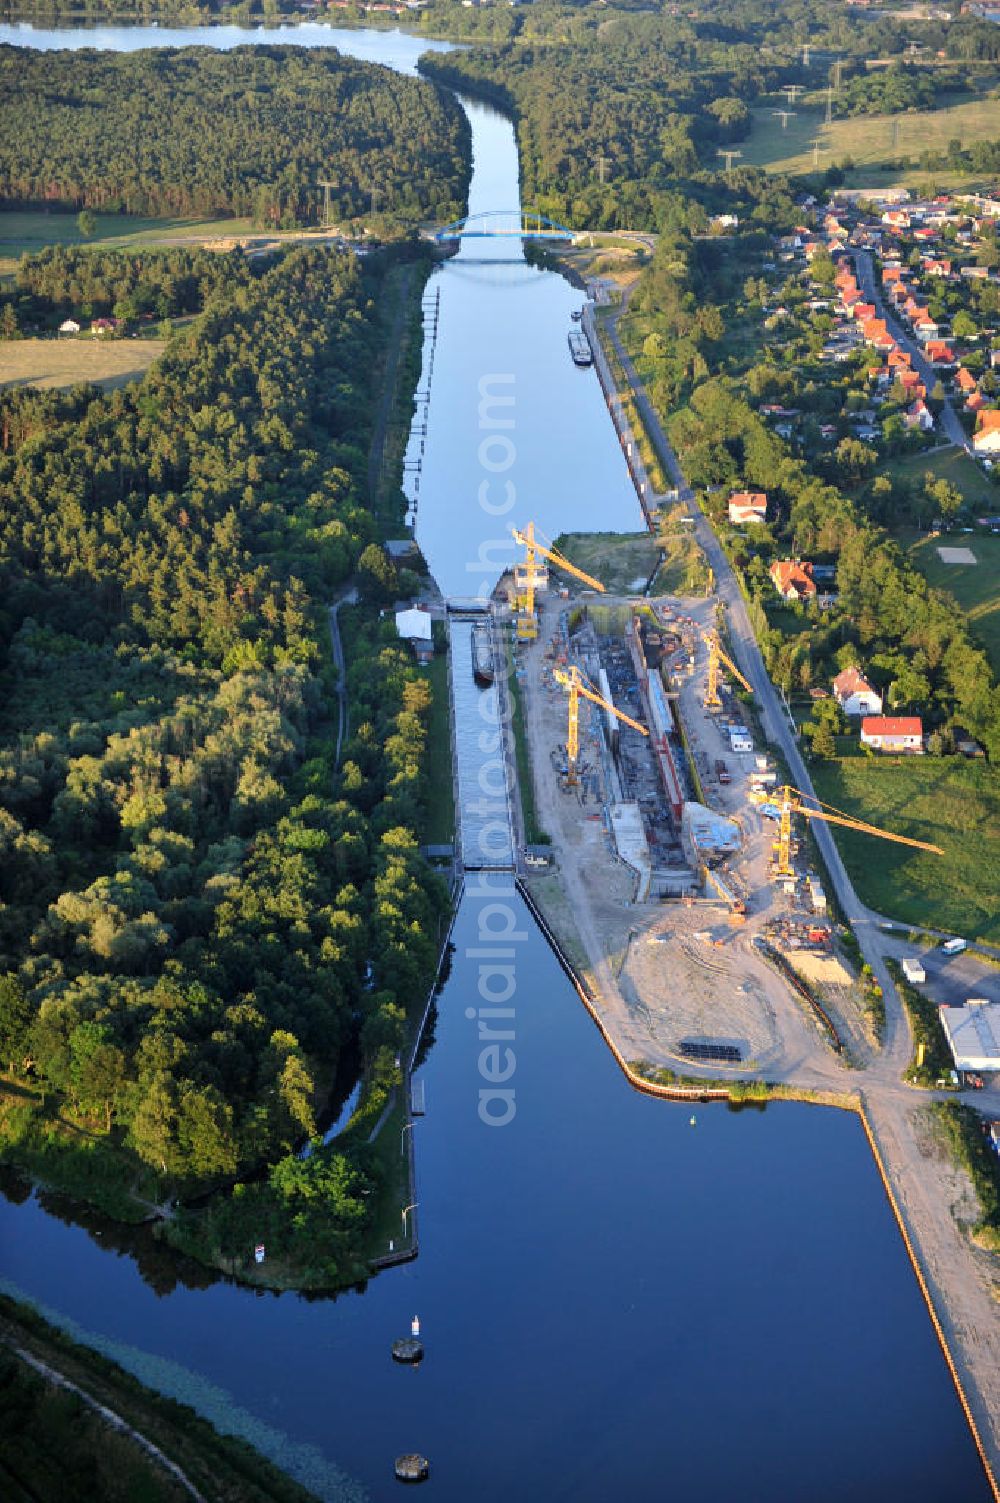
(715,657)
(573,680)
(791,803)
(525,578)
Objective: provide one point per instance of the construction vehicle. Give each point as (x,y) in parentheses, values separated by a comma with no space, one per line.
(735,904)
(530,575)
(791,803)
(716,656)
(573,680)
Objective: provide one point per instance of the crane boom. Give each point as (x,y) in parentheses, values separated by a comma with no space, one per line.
(528,540)
(791,802)
(858,824)
(572,680)
(527,626)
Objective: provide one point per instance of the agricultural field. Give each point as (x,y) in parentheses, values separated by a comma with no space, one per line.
(951,802)
(54,364)
(869,140)
(24,231)
(976,586)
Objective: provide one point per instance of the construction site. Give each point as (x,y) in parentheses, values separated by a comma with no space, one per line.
(675,879)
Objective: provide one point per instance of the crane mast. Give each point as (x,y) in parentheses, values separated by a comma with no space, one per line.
(715,657)
(572,679)
(525,578)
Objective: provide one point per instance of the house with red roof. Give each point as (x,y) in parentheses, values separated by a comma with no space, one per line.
(747,506)
(893,733)
(939,352)
(918,417)
(793,580)
(986,439)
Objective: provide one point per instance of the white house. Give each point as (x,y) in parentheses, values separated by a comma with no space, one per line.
(893,733)
(747,506)
(69,326)
(855,695)
(919,416)
(414,626)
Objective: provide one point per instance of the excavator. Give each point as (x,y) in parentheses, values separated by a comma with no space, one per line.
(526,578)
(789,801)
(573,680)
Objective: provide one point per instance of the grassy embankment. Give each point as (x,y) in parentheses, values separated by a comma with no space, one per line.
(954,804)
(876,144)
(58,364)
(925,1026)
(624,562)
(53,1445)
(533,832)
(963,1129)
(648,452)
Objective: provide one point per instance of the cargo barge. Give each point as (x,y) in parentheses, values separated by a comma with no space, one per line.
(579,347)
(482,654)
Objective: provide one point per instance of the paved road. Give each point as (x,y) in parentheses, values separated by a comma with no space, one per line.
(958,1280)
(896,1052)
(948,420)
(347,596)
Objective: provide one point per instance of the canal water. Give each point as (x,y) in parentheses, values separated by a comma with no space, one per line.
(619,1299)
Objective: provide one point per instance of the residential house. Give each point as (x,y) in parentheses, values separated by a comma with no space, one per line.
(793,580)
(965,381)
(102,326)
(939,352)
(918,417)
(414,626)
(895,733)
(855,695)
(747,506)
(986,439)
(69,326)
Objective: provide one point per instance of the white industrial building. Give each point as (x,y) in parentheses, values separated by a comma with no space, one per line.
(973,1034)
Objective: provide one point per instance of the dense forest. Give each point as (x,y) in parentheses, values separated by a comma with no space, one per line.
(130,132)
(198,914)
(616,109)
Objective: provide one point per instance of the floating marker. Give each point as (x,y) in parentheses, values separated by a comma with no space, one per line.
(694,1121)
(415,1326)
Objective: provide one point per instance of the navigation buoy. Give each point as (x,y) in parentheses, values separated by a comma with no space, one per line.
(694,1121)
(415,1326)
(412,1468)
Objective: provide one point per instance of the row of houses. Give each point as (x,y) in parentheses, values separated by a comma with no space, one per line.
(897,363)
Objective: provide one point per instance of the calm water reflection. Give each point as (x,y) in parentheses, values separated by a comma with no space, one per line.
(616,1303)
